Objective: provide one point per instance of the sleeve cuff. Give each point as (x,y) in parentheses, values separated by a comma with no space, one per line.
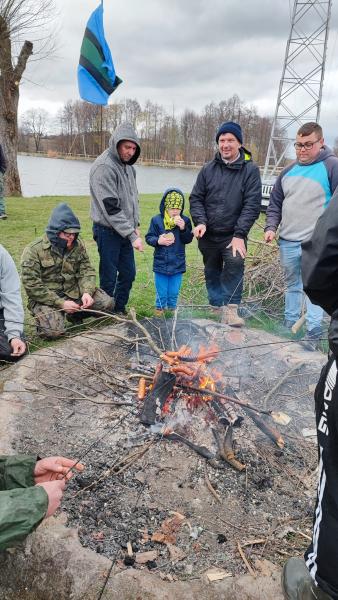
(132,237)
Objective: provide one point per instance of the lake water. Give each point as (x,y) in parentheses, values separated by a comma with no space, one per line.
(58,177)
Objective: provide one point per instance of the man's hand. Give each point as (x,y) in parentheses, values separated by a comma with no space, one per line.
(269,235)
(199,231)
(87,300)
(18,346)
(54,491)
(137,244)
(237,245)
(164,240)
(70,307)
(138,232)
(55,467)
(179,222)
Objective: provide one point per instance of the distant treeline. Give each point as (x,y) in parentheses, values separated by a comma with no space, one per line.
(82,128)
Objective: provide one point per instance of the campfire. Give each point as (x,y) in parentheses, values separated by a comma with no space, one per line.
(191,378)
(201,442)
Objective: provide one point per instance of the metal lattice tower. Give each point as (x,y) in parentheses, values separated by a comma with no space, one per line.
(301,84)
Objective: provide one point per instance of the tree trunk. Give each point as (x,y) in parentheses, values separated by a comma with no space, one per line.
(10,77)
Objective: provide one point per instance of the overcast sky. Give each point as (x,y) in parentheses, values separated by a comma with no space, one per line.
(182,54)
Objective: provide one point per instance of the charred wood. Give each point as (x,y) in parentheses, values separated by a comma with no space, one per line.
(155,400)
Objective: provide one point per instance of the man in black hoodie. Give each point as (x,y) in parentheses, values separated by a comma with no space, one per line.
(58,277)
(317,577)
(224,204)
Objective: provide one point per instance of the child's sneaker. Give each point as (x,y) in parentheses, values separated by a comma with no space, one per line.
(159,312)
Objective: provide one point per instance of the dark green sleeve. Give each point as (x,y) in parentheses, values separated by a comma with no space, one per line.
(16,471)
(21,511)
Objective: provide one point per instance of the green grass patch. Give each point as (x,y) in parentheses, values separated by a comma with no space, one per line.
(27,220)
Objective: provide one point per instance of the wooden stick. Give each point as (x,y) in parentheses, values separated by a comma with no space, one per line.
(224,397)
(281,381)
(145,332)
(248,566)
(298,324)
(210,487)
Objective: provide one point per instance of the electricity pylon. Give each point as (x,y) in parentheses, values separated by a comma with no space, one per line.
(301,84)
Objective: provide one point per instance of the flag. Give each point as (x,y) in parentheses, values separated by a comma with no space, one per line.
(96,74)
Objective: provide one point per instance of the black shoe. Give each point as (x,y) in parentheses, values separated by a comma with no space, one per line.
(297,583)
(315,334)
(75,319)
(119,311)
(3,216)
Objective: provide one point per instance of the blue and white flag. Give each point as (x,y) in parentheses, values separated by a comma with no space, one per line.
(96,74)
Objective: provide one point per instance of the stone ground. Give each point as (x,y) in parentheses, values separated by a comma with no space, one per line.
(137,486)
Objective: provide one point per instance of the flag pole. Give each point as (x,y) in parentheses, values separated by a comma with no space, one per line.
(101,127)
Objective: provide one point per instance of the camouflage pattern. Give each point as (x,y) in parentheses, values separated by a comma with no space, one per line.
(23,504)
(2,191)
(50,276)
(51,323)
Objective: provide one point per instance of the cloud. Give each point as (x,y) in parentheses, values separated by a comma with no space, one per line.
(182,54)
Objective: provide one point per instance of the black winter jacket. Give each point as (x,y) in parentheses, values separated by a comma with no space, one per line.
(227,197)
(320,260)
(169,260)
(3,161)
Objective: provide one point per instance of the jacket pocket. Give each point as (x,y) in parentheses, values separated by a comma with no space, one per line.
(47,261)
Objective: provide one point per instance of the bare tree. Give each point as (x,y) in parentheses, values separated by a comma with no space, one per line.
(335,146)
(34,122)
(18,19)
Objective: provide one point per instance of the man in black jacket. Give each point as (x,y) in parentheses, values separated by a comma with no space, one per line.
(317,577)
(224,204)
(3,167)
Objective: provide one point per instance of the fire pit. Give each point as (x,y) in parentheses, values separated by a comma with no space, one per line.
(181,483)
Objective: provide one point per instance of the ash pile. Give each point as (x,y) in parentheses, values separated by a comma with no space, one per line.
(199,444)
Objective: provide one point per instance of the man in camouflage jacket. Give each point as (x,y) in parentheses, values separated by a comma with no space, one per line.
(58,277)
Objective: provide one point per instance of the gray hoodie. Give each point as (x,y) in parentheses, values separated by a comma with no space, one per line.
(300,195)
(113,187)
(10,296)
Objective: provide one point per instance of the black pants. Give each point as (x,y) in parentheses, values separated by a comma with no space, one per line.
(223,272)
(322,555)
(5,347)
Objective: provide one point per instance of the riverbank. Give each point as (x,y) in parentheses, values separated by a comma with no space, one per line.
(146,162)
(42,176)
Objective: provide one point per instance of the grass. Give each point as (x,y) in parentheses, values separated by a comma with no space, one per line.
(27,220)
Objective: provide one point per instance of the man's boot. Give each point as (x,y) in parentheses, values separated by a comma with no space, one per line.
(297,583)
(231,317)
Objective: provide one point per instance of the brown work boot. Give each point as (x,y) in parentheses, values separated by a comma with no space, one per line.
(231,317)
(297,583)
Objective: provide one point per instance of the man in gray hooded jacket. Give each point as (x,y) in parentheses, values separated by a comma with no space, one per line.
(12,345)
(115,213)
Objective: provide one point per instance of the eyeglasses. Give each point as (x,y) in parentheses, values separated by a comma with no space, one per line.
(307,145)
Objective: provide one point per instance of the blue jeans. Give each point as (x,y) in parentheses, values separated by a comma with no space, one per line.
(117,264)
(223,272)
(167,290)
(290,257)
